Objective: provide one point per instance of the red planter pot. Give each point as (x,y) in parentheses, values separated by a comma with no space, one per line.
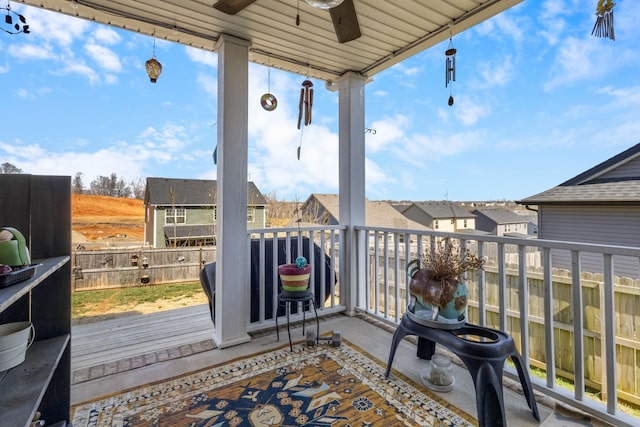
(293,278)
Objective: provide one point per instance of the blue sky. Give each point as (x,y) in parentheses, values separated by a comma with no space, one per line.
(537,101)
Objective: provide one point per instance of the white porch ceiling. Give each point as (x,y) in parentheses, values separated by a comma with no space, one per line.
(391,30)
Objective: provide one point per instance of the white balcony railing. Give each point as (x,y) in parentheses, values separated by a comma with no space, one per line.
(571,307)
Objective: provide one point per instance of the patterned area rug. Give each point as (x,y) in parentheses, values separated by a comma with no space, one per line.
(311,386)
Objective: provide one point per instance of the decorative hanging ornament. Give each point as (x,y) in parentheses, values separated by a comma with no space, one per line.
(604,21)
(306,103)
(450,69)
(17,27)
(153,67)
(268,101)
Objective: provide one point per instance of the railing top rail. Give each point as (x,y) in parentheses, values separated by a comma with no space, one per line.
(296,228)
(540,243)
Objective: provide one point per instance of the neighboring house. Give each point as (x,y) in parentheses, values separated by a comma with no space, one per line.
(600,205)
(440,216)
(501,222)
(182,212)
(324,209)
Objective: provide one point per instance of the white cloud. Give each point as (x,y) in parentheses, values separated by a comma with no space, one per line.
(389,131)
(468,111)
(55,27)
(622,97)
(209,83)
(581,59)
(106,35)
(496,73)
(508,24)
(104,57)
(31,51)
(204,57)
(80,69)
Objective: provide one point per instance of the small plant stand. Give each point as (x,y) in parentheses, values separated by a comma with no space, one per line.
(285,300)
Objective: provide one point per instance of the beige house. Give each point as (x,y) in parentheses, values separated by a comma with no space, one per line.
(324,209)
(440,216)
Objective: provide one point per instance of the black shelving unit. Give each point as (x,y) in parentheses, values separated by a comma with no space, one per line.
(40,207)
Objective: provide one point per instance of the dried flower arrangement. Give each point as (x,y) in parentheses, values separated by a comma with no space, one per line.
(435,279)
(448,262)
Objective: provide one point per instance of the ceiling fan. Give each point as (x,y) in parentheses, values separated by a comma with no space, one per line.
(343,14)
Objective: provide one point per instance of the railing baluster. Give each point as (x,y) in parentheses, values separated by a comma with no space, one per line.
(609,338)
(386,274)
(549,335)
(502,287)
(396,275)
(523,302)
(482,289)
(578,343)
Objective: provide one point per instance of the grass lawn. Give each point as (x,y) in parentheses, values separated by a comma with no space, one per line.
(93,303)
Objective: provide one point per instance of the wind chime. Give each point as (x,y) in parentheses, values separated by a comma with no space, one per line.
(15,27)
(269,101)
(304,107)
(604,21)
(450,69)
(152,66)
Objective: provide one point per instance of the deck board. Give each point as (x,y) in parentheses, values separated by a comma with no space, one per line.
(112,340)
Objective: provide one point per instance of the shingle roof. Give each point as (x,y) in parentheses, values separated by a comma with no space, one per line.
(502,216)
(377,213)
(607,192)
(604,183)
(439,210)
(191,192)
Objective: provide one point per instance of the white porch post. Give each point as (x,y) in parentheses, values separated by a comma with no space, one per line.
(352,182)
(232,273)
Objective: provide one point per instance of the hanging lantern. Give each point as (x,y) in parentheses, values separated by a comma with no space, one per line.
(153,67)
(604,21)
(450,68)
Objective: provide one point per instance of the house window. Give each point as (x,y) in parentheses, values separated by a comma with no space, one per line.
(215,214)
(435,224)
(176,216)
(251,214)
(464,223)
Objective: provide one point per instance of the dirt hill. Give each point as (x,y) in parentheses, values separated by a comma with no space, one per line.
(103,218)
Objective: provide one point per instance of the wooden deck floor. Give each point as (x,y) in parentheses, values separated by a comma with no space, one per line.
(123,353)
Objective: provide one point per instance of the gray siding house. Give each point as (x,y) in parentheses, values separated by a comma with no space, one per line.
(600,205)
(440,216)
(502,222)
(182,212)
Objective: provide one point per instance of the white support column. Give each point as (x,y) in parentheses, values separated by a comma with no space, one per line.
(233,281)
(352,182)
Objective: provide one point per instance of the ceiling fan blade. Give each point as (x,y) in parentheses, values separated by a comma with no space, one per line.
(345,21)
(231,7)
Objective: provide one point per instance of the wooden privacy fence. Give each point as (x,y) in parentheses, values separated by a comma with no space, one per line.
(120,268)
(627,320)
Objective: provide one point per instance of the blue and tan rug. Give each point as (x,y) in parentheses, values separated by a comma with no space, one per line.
(311,386)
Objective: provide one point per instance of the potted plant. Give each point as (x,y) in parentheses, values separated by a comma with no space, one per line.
(295,276)
(435,285)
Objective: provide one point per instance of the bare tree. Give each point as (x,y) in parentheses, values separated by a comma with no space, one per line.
(138,188)
(9,168)
(77,185)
